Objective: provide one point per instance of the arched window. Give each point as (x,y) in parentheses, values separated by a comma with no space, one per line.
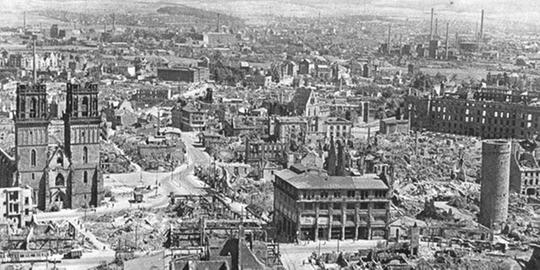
(94,107)
(33,158)
(85,155)
(33,108)
(85,108)
(85,177)
(75,111)
(59,180)
(23,108)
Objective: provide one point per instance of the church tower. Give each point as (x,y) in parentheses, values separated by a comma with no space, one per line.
(31,139)
(82,132)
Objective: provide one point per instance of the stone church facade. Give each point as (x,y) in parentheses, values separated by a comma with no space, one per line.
(62,174)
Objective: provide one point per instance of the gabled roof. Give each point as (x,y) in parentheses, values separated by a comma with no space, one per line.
(247,260)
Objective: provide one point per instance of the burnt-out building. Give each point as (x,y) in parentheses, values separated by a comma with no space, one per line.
(312,205)
(524,168)
(483,118)
(258,151)
(189,118)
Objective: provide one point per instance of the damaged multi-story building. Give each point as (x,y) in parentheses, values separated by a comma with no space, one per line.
(311,205)
(486,115)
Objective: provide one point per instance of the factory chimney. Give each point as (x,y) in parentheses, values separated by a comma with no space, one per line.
(436,27)
(388,38)
(24,21)
(113,22)
(34,60)
(446,42)
(481,35)
(431,26)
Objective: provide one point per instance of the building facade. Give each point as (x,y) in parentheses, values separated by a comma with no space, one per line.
(310,205)
(485,119)
(335,127)
(189,118)
(184,74)
(16,206)
(289,129)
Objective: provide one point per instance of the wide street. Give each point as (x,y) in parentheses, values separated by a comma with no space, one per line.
(180,181)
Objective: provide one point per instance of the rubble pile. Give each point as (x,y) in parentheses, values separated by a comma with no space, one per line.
(143,230)
(152,153)
(249,191)
(113,161)
(431,157)
(431,166)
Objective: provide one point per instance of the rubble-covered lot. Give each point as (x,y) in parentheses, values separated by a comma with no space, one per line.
(429,166)
(113,160)
(133,228)
(446,169)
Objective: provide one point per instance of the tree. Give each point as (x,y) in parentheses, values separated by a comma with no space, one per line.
(331,160)
(341,159)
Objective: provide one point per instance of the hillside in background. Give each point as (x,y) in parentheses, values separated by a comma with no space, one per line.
(254,11)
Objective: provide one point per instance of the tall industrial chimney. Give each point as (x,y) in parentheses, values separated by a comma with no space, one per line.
(34,60)
(113,22)
(431,26)
(446,42)
(481,35)
(388,39)
(436,27)
(24,20)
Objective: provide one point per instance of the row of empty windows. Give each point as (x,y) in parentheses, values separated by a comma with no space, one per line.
(349,206)
(338,194)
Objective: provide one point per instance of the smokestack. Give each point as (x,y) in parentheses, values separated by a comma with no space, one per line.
(436,27)
(24,20)
(388,39)
(113,22)
(446,42)
(481,35)
(431,25)
(34,60)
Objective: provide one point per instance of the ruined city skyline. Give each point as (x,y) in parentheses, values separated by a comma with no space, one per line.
(269,134)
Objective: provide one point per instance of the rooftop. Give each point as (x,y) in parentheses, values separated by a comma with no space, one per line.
(316,180)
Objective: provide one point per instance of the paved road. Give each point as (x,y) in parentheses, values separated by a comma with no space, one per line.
(180,181)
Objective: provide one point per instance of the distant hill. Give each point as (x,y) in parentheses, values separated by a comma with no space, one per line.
(183,10)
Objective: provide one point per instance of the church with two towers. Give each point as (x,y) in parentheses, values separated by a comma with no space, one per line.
(62,172)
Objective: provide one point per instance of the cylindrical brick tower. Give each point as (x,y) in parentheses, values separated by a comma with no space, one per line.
(495,182)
